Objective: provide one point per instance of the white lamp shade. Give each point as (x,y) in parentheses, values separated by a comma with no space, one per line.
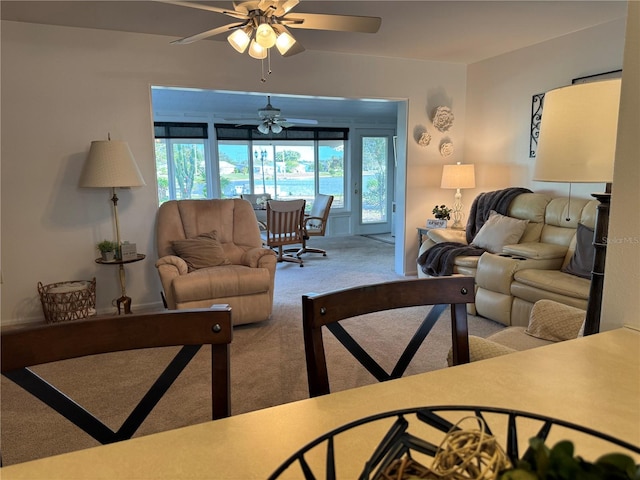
(110,163)
(239,40)
(577,141)
(285,40)
(256,51)
(265,36)
(458,176)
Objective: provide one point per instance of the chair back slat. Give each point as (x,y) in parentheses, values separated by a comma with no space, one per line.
(35,345)
(329,309)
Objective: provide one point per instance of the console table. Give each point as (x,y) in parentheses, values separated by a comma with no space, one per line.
(123,302)
(590,381)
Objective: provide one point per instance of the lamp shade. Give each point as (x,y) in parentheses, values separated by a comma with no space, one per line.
(110,164)
(458,176)
(577,141)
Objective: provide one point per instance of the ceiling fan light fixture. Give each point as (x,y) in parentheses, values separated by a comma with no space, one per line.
(284,40)
(257,51)
(275,128)
(265,36)
(240,39)
(263,128)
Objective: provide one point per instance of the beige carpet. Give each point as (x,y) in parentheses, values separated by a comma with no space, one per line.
(267,360)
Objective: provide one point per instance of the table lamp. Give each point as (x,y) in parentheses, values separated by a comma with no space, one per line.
(577,144)
(458,176)
(110,164)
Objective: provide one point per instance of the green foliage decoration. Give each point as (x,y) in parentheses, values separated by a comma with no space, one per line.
(442,212)
(561,463)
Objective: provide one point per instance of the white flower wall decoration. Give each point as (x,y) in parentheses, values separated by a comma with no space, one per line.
(443,118)
(425,139)
(446,149)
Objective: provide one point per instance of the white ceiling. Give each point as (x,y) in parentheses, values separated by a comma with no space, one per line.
(448,31)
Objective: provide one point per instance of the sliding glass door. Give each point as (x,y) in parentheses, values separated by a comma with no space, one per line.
(373,179)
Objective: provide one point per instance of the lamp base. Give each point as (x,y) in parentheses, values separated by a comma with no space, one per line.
(594,304)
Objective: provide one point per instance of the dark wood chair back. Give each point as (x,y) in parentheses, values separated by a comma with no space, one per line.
(328,309)
(29,346)
(285,220)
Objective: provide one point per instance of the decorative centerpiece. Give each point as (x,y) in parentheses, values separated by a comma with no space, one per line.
(261,202)
(442,214)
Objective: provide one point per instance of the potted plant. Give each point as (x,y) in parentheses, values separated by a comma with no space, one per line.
(442,214)
(107,250)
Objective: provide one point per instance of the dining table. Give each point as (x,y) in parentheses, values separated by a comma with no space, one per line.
(593,382)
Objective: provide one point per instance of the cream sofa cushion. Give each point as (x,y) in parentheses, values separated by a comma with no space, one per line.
(498,231)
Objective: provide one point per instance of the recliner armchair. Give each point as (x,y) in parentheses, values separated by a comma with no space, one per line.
(210,252)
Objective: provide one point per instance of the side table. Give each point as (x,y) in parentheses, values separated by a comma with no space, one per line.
(123,301)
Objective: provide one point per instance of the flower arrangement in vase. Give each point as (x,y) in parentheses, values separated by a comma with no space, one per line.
(442,214)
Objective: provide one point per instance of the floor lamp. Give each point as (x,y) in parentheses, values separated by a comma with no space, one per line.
(110,164)
(577,144)
(458,176)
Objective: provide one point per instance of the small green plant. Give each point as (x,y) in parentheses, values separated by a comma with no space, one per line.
(560,463)
(442,212)
(107,246)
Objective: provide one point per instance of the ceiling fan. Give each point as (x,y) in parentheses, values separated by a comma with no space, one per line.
(263,24)
(269,119)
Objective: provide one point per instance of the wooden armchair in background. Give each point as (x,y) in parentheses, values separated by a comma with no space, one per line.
(29,346)
(328,309)
(284,227)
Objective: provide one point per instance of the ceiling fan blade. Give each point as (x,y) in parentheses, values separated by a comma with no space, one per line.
(341,23)
(299,121)
(202,6)
(209,33)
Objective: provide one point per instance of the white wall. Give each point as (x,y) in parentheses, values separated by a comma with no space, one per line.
(64,87)
(499,103)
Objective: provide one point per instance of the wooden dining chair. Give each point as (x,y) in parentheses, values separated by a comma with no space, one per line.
(284,227)
(25,347)
(329,309)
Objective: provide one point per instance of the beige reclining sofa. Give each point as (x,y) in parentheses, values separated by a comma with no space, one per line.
(210,252)
(543,264)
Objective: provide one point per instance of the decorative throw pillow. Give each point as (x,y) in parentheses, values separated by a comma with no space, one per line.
(499,231)
(581,262)
(202,251)
(555,321)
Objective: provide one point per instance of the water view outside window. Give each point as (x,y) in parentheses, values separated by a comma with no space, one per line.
(283,169)
(311,162)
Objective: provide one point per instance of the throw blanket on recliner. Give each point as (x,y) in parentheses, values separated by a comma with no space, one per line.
(438,260)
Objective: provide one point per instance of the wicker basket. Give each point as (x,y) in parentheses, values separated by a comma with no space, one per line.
(64,301)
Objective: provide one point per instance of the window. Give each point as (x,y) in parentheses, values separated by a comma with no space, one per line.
(181,166)
(296,163)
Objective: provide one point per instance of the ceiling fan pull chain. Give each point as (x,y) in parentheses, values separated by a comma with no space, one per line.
(269,60)
(262,79)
